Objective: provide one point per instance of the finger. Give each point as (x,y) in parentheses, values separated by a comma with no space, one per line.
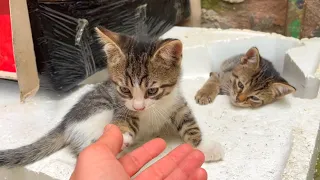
(167,164)
(133,161)
(72,176)
(200,174)
(188,166)
(112,138)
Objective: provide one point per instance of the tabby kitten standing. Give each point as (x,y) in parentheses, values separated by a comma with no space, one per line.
(142,95)
(249,80)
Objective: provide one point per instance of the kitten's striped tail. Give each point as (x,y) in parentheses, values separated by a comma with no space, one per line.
(31,153)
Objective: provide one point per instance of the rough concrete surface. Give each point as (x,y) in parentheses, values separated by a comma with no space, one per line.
(260,15)
(311,22)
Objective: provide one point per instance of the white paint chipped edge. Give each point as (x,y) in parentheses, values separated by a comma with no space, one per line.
(300,66)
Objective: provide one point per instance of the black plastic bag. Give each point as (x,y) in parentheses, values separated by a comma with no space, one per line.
(65,44)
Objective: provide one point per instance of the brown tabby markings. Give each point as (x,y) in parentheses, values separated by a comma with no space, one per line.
(185,124)
(249,80)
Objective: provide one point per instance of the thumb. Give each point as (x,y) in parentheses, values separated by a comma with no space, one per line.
(112,138)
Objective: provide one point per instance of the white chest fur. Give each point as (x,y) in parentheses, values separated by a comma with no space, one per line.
(154,118)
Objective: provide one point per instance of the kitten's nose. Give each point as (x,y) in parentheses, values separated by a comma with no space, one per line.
(241,98)
(138,105)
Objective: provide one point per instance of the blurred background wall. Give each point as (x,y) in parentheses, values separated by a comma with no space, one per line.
(296,18)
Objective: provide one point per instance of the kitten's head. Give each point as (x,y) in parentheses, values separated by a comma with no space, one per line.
(256,82)
(143,71)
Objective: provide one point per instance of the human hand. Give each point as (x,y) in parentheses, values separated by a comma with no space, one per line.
(98,161)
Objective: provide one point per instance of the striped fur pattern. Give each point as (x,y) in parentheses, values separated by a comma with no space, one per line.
(249,80)
(140,97)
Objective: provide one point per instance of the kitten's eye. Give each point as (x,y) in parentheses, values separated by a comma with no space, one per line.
(153,91)
(254,98)
(240,85)
(124,90)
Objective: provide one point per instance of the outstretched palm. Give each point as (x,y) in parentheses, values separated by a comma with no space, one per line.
(98,161)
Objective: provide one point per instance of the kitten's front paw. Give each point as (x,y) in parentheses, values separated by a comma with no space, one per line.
(127,140)
(212,152)
(203,97)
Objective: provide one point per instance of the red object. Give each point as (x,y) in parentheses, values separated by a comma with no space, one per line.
(6,50)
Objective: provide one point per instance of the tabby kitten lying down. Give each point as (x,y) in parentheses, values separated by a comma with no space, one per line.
(142,95)
(249,80)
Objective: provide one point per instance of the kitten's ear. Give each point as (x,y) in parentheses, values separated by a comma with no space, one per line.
(111,41)
(282,89)
(252,57)
(169,53)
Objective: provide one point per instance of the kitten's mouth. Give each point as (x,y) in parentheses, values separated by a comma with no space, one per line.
(235,103)
(144,109)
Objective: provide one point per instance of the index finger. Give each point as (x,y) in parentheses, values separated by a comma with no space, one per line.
(111,138)
(134,161)
(167,164)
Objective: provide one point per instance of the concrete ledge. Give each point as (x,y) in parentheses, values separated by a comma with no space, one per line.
(301,64)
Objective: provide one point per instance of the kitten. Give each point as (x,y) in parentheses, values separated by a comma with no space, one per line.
(249,80)
(142,95)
